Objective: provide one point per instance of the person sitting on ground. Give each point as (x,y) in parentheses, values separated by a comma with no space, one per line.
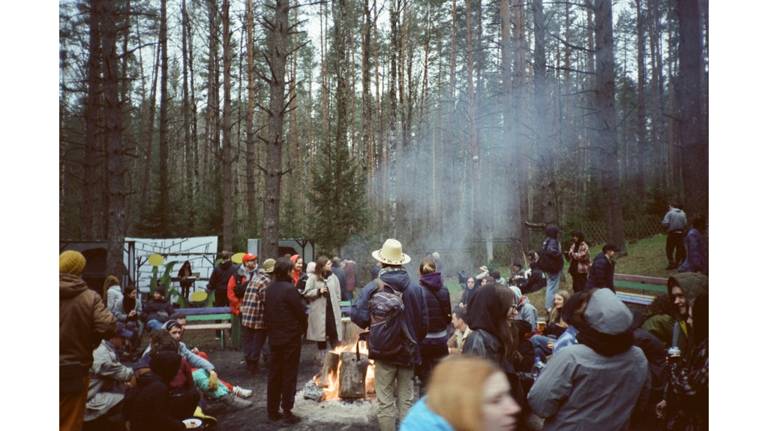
(83,322)
(394,371)
(536,279)
(686,403)
(525,310)
(254,331)
(108,381)
(465,393)
(501,281)
(434,346)
(655,353)
(659,319)
(597,383)
(286,321)
(484,272)
(127,311)
(601,271)
(544,344)
(147,407)
(113,293)
(695,248)
(575,305)
(157,310)
(461,330)
(517,275)
(525,362)
(683,288)
(493,336)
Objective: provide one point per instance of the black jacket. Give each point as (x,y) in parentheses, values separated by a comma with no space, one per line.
(284,314)
(438,301)
(601,272)
(342,276)
(158,310)
(146,406)
(220,276)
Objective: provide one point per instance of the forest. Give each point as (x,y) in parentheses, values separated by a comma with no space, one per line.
(451,125)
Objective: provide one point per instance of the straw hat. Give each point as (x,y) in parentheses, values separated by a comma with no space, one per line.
(268,266)
(391,253)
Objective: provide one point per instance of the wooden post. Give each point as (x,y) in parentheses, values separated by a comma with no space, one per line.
(330,366)
(349,331)
(352,375)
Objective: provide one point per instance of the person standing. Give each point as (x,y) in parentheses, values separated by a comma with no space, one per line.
(435,345)
(595,384)
(337,266)
(323,293)
(83,322)
(551,262)
(298,269)
(695,248)
(254,333)
(286,321)
(184,275)
(394,294)
(578,255)
(238,282)
(602,269)
(675,222)
(220,277)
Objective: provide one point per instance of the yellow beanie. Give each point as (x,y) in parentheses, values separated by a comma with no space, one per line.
(71,262)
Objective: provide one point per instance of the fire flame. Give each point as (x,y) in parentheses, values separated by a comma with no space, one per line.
(331,392)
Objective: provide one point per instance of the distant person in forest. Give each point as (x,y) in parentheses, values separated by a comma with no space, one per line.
(184,275)
(286,321)
(298,269)
(83,322)
(238,282)
(466,295)
(460,330)
(337,266)
(696,253)
(434,346)
(535,278)
(675,222)
(578,256)
(220,277)
(253,331)
(602,269)
(551,262)
(112,291)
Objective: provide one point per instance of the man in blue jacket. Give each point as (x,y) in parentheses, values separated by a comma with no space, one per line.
(601,271)
(394,376)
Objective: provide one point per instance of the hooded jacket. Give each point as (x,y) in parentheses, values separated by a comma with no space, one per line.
(421,418)
(220,276)
(581,389)
(147,406)
(416,314)
(83,322)
(438,301)
(601,272)
(106,385)
(695,252)
(551,260)
(693,284)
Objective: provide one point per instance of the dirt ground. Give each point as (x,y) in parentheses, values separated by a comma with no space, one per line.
(336,415)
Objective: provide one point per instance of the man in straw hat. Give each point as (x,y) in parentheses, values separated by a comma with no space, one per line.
(83,322)
(394,374)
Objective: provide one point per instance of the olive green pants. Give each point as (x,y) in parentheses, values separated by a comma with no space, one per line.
(394,385)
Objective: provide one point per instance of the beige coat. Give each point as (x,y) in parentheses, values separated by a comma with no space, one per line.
(316,327)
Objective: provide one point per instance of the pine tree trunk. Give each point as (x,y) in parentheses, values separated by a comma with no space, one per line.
(642,145)
(192,168)
(277,43)
(521,148)
(695,160)
(473,146)
(227,180)
(605,94)
(367,113)
(186,107)
(113,135)
(392,144)
(162,203)
(90,178)
(250,142)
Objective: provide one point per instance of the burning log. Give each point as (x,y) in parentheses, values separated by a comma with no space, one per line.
(349,330)
(352,374)
(330,368)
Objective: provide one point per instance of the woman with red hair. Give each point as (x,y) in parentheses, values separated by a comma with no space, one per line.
(298,269)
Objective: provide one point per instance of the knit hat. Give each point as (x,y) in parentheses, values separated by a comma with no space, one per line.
(71,262)
(268,266)
(294,258)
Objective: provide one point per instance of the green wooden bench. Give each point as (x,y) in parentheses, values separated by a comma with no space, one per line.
(639,289)
(216,318)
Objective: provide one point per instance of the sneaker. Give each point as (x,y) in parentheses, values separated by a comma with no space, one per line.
(291,418)
(242,392)
(274,416)
(236,403)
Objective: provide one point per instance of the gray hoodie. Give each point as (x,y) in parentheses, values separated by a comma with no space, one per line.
(582,390)
(674,220)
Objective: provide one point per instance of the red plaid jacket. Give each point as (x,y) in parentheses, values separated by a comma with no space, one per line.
(252,306)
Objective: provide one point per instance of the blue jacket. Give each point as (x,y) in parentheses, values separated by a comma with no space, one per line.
(421,418)
(417,319)
(601,273)
(696,252)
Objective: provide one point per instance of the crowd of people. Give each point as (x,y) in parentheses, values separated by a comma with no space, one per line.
(486,363)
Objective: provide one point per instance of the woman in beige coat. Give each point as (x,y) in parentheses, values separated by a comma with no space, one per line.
(324,315)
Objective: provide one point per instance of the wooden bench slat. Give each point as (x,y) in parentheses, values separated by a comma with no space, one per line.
(209,326)
(203,310)
(645,279)
(205,317)
(633,285)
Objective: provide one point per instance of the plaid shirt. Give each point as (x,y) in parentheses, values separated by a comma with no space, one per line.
(252,306)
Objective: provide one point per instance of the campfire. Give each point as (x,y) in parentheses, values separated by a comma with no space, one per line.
(347,373)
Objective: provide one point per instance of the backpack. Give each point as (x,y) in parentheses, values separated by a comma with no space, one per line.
(388,336)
